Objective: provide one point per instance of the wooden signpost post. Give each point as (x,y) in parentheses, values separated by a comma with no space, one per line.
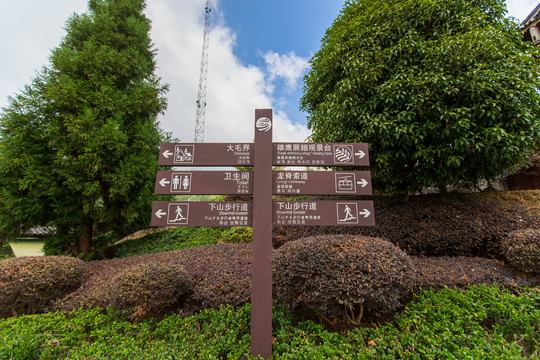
(262,213)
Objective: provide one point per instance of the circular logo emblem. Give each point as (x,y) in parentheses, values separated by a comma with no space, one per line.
(263,124)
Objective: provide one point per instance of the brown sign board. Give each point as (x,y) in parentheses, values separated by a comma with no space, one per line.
(206,154)
(204,182)
(322,182)
(283,182)
(203,213)
(320,154)
(324,212)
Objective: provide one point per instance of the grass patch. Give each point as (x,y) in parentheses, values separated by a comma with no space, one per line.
(485,322)
(5,251)
(168,240)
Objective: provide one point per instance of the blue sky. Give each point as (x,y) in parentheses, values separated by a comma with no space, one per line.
(259,52)
(279,26)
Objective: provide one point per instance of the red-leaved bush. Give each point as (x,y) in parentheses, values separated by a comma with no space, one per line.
(29,284)
(432,225)
(343,276)
(522,249)
(147,290)
(221,274)
(462,271)
(218,275)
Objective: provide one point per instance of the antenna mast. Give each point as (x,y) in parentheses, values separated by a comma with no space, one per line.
(201,97)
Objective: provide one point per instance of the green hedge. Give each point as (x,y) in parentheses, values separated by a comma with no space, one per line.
(480,322)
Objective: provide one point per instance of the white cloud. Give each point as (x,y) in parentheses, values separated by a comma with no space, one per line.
(29,32)
(288,66)
(287,131)
(234,90)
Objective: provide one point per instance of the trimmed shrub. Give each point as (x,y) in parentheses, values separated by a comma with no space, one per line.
(219,274)
(522,250)
(343,276)
(29,284)
(434,225)
(237,234)
(146,290)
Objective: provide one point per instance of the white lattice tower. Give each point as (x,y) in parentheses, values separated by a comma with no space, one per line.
(201,97)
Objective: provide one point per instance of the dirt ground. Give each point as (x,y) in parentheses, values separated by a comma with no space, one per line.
(528,199)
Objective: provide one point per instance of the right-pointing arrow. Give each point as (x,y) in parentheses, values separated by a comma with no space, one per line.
(363,182)
(160,213)
(366,213)
(360,154)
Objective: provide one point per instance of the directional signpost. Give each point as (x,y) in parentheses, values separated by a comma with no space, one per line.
(204,182)
(322,182)
(331,213)
(262,213)
(206,154)
(283,182)
(320,154)
(201,213)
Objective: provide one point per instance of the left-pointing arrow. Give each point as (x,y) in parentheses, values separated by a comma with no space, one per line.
(166,154)
(160,213)
(164,182)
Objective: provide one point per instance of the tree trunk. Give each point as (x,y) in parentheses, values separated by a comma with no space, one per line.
(85,239)
(443,189)
(402,192)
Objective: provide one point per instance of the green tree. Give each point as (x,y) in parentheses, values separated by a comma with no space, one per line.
(442,90)
(79,146)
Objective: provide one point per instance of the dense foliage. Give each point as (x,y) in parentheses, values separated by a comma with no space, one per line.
(154,285)
(168,240)
(343,276)
(215,275)
(29,284)
(483,322)
(442,90)
(480,322)
(78,147)
(522,249)
(237,234)
(5,251)
(147,290)
(434,225)
(462,271)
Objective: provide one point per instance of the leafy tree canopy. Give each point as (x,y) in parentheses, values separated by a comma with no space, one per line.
(79,146)
(442,90)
